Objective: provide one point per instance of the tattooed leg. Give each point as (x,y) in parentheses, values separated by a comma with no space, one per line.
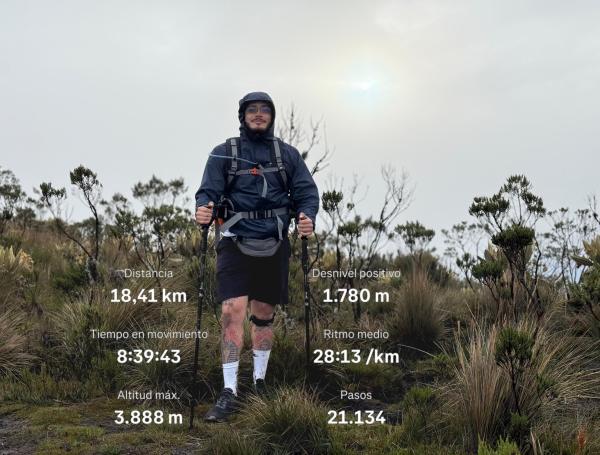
(232,319)
(262,336)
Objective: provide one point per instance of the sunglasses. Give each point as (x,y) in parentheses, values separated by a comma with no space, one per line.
(256,109)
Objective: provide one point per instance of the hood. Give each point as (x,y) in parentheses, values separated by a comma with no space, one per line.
(250,98)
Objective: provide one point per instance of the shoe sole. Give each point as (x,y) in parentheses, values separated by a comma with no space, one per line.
(215,419)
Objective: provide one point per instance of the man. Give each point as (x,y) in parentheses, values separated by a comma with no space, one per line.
(257,179)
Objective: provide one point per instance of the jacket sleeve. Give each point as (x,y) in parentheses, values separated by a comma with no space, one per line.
(213,179)
(305,194)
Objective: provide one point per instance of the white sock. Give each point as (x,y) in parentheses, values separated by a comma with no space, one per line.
(230,372)
(261,359)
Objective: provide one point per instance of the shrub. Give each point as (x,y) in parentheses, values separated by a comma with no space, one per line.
(417,406)
(383,380)
(504,447)
(72,279)
(513,352)
(437,368)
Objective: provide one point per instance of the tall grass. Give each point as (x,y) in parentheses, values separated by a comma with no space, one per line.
(569,364)
(163,376)
(43,388)
(74,350)
(13,345)
(479,396)
(417,321)
(14,270)
(480,393)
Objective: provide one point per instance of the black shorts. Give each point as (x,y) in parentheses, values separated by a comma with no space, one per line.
(260,278)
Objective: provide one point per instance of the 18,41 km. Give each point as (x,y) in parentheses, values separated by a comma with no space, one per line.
(147,296)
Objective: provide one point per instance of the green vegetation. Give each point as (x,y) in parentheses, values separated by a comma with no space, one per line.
(497,353)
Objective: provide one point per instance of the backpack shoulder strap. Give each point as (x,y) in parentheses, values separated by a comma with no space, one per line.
(232,147)
(279,162)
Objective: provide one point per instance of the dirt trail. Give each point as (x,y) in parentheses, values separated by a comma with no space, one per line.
(10,443)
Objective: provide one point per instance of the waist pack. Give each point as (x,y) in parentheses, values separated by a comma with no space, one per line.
(257,247)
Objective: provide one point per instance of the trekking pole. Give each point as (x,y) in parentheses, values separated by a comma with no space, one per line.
(203,250)
(306,300)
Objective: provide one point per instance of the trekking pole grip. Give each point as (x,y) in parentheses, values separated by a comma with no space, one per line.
(306,300)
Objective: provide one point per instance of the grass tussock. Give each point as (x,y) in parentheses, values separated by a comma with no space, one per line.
(479,392)
(292,421)
(15,270)
(227,442)
(74,351)
(417,321)
(479,400)
(14,348)
(43,388)
(165,376)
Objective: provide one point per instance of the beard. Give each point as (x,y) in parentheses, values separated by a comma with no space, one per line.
(261,129)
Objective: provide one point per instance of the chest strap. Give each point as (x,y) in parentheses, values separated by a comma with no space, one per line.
(256,215)
(233,145)
(259,171)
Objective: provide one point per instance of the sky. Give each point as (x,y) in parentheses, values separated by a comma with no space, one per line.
(458,94)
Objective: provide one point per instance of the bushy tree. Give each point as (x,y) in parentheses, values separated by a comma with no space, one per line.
(86,235)
(12,198)
(509,216)
(416,237)
(586,292)
(154,232)
(568,230)
(355,240)
(463,243)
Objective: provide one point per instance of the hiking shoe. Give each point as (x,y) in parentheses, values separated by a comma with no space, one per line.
(260,388)
(225,406)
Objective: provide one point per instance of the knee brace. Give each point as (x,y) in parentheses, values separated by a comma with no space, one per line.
(261,322)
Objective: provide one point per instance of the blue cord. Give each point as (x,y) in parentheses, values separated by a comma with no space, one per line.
(230,158)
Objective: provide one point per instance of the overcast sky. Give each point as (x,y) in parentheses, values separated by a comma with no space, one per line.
(459,94)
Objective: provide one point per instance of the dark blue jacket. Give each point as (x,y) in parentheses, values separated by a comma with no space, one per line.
(245,193)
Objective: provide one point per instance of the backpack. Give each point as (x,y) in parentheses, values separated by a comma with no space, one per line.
(226,214)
